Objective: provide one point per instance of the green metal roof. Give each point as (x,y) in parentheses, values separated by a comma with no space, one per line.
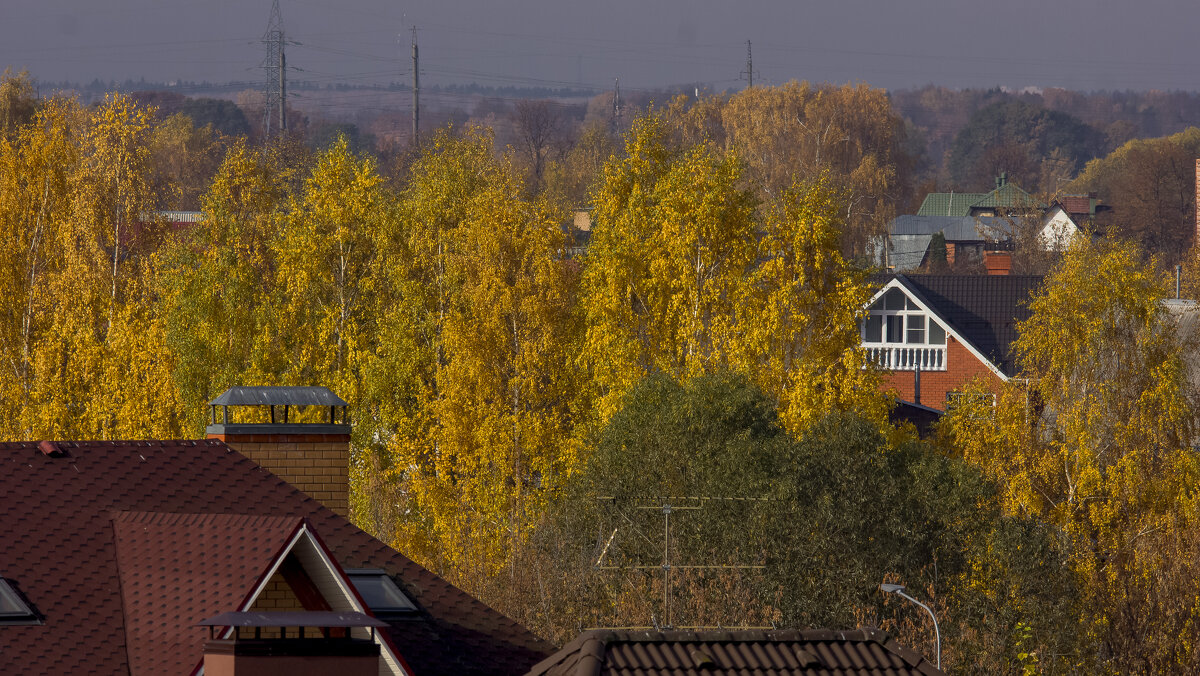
(1007,196)
(949,203)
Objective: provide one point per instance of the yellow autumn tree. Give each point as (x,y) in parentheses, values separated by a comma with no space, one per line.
(798,331)
(1096,437)
(673,239)
(505,417)
(470,383)
(798,132)
(216,280)
(79,238)
(416,284)
(325,257)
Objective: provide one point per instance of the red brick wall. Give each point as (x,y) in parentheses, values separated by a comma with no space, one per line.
(961,367)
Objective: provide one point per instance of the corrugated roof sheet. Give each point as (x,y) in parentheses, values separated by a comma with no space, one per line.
(949,203)
(1007,196)
(278,396)
(765,652)
(60,549)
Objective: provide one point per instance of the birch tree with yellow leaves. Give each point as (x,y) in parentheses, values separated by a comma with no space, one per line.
(1097,438)
(799,309)
(216,280)
(673,239)
(471,385)
(77,244)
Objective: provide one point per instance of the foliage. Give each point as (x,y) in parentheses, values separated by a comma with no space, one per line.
(218,278)
(828,515)
(673,237)
(1151,185)
(1099,446)
(1014,137)
(797,133)
(18,102)
(797,332)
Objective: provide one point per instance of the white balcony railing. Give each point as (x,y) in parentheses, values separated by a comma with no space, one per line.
(904,358)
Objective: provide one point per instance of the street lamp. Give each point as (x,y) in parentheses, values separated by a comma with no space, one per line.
(898,589)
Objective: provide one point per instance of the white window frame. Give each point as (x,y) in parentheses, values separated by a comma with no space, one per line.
(874,349)
(903,354)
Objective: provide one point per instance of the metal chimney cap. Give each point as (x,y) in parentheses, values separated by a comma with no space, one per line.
(278,396)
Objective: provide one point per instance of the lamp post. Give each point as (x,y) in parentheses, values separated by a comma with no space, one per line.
(898,589)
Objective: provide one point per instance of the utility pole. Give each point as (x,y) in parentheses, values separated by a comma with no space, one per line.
(275,65)
(749,66)
(616,100)
(416,102)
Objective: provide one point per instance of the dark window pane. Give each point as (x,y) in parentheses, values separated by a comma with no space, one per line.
(894,300)
(874,329)
(916,328)
(379,591)
(895,328)
(937,335)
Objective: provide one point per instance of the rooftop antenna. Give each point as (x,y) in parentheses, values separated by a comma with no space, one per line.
(666,507)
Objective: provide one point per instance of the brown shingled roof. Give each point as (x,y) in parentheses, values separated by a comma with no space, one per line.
(177,569)
(709,653)
(61,525)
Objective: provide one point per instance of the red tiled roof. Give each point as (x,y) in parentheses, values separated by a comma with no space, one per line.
(1076,204)
(711,653)
(58,547)
(178,569)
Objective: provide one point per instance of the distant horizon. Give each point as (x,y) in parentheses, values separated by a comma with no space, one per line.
(163,85)
(1077,45)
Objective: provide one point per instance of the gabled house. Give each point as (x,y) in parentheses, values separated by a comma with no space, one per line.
(971,222)
(932,334)
(1005,199)
(906,246)
(1069,216)
(186,557)
(861,652)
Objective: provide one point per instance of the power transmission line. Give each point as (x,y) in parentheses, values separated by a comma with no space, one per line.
(275,65)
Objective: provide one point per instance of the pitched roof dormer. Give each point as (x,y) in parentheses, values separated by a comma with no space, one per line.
(178,569)
(980,312)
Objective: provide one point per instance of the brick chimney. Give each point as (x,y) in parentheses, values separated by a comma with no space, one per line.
(292,431)
(998,262)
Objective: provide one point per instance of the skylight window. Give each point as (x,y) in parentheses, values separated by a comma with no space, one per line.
(379,591)
(13,610)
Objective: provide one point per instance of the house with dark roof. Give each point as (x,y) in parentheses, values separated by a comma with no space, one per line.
(932,334)
(189,557)
(970,222)
(707,653)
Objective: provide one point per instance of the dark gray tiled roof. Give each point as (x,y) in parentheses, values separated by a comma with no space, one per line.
(983,309)
(780,651)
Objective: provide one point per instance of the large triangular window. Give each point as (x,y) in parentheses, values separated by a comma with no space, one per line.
(899,335)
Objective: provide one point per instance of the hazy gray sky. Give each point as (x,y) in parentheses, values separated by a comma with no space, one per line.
(1080,44)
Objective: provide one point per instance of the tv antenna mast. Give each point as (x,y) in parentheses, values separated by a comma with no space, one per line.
(667,506)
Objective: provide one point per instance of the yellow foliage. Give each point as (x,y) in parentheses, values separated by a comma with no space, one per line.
(1096,438)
